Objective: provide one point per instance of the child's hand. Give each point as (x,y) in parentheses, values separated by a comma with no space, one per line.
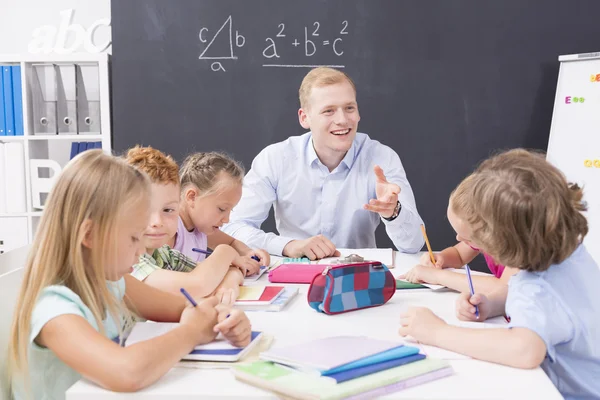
(229,289)
(421,324)
(465,307)
(246,263)
(426,260)
(227,295)
(421,274)
(201,318)
(262,255)
(234,325)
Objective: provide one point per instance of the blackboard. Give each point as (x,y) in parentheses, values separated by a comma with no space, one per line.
(444,83)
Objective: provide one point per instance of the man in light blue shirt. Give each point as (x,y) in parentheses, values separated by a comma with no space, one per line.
(330,187)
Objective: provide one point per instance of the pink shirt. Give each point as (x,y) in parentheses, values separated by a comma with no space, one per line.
(495,268)
(185,241)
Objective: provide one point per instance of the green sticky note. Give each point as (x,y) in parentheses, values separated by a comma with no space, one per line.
(400,284)
(264,369)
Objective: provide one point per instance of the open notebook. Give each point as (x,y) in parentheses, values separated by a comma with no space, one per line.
(217,350)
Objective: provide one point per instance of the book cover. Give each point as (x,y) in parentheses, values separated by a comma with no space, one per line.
(9,115)
(258,294)
(218,350)
(296,384)
(325,354)
(276,305)
(2,106)
(17,92)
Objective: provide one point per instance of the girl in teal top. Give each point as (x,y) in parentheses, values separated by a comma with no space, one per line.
(77,293)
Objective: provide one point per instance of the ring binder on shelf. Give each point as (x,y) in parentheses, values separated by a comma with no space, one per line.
(44,100)
(66,94)
(88,99)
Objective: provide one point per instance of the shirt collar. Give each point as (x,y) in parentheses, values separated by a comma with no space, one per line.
(348,159)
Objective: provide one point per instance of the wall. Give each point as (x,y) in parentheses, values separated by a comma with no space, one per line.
(55,27)
(52,26)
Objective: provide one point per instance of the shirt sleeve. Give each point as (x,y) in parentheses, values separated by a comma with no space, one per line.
(535,307)
(53,302)
(176,260)
(258,195)
(144,268)
(405,230)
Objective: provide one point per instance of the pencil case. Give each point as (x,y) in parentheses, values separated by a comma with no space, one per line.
(296,273)
(348,287)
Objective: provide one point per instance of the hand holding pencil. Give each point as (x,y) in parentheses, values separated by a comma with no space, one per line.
(428,259)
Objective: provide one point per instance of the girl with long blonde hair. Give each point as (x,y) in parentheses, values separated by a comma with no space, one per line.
(77,293)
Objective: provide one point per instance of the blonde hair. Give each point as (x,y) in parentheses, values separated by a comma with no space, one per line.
(160,167)
(319,77)
(85,191)
(202,170)
(522,210)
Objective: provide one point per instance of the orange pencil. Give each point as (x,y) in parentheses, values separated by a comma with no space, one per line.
(428,245)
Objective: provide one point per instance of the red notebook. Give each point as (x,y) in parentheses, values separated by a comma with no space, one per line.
(258,295)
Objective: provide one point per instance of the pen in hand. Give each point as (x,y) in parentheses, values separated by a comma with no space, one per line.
(472,290)
(188,296)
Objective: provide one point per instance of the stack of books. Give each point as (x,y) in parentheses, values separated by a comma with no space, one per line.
(264,298)
(341,367)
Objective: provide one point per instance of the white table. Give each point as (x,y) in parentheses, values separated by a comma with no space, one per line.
(473,379)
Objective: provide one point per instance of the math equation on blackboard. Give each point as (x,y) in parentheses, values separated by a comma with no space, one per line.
(220,46)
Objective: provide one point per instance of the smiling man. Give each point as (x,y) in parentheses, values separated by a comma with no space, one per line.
(330,187)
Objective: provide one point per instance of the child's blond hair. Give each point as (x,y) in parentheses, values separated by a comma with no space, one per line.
(522,210)
(203,170)
(319,77)
(160,167)
(93,187)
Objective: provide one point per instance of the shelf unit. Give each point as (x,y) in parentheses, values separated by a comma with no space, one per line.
(56,147)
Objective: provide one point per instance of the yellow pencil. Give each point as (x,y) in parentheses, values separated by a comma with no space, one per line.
(428,245)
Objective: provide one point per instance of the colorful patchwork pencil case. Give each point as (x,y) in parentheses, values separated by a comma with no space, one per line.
(349,287)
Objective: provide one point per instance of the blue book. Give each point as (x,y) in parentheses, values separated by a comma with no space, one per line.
(97,145)
(2,108)
(9,116)
(17,99)
(391,354)
(217,350)
(82,147)
(371,369)
(74,150)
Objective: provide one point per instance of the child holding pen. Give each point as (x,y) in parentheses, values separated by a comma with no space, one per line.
(77,294)
(520,209)
(161,265)
(211,185)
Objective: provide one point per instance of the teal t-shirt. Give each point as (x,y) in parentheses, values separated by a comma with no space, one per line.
(49,376)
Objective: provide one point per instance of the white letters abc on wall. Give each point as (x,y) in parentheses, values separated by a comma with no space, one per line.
(69,37)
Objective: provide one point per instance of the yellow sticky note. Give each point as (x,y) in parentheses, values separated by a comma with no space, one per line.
(251,292)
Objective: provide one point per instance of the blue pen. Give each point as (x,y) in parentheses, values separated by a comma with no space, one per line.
(197,250)
(189,297)
(471,288)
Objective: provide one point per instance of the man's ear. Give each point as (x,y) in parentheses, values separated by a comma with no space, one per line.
(86,230)
(303,118)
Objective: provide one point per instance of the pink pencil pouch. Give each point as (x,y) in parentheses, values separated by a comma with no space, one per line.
(296,273)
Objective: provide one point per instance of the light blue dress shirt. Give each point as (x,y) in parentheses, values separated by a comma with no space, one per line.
(309,200)
(562,305)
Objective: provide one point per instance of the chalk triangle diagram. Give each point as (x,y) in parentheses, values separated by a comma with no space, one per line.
(222,44)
